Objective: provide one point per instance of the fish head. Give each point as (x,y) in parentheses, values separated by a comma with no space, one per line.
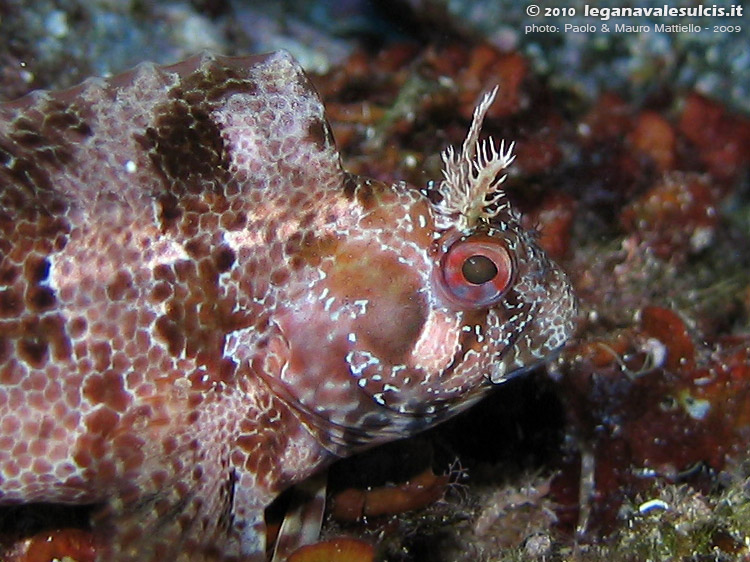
(422,300)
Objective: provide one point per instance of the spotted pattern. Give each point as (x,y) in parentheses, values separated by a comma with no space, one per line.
(199,307)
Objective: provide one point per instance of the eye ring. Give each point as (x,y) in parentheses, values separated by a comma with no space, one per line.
(476,272)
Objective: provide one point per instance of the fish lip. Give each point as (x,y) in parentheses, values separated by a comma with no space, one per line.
(340,436)
(496,381)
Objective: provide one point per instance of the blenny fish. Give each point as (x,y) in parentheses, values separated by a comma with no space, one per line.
(200,306)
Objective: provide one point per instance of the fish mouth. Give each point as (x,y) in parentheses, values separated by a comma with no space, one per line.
(373,425)
(500,375)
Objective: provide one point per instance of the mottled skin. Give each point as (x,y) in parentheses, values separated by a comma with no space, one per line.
(200,307)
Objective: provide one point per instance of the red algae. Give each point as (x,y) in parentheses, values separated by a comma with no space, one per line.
(722,140)
(424,489)
(656,410)
(485,68)
(668,328)
(554,220)
(342,549)
(676,216)
(654,137)
(73,545)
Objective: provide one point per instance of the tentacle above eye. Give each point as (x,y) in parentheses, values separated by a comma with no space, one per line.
(470,190)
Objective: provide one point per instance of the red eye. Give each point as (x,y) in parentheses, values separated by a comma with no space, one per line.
(476,272)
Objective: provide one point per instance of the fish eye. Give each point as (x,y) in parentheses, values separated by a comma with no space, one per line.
(476,271)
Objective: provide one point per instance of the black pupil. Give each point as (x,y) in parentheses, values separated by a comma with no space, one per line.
(479,269)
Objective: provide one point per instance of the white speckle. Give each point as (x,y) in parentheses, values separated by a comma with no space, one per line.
(130,167)
(352,337)
(645,472)
(330,385)
(397,369)
(422,221)
(446,81)
(362,304)
(26,76)
(57,24)
(478,332)
(695,407)
(656,350)
(701,238)
(328,304)
(196,32)
(165,252)
(390,388)
(379,398)
(651,505)
(362,382)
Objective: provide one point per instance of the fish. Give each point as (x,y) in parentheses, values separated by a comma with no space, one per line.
(199,306)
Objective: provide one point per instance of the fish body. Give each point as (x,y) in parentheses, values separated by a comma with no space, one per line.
(199,306)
